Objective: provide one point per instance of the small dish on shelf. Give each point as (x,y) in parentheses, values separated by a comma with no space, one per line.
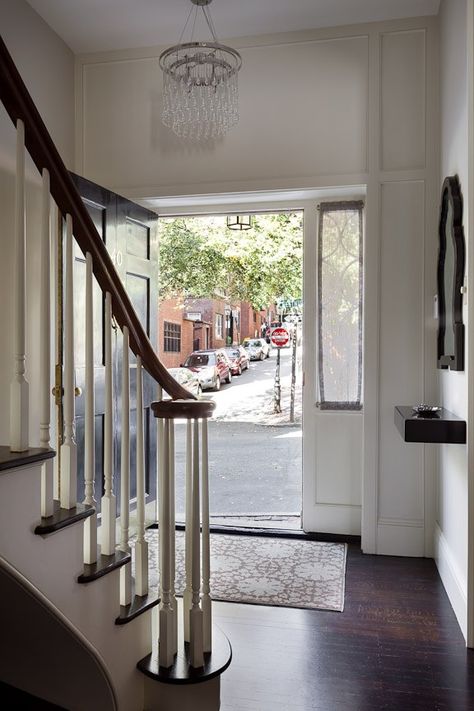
(423,410)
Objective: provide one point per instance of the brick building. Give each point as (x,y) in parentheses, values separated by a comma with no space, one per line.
(175,333)
(217,322)
(196,324)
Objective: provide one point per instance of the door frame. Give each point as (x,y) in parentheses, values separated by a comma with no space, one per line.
(306,201)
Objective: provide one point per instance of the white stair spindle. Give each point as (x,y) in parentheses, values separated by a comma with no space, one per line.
(45,349)
(125,570)
(19,390)
(206,551)
(56,244)
(90,524)
(108,502)
(174,602)
(69,448)
(188,536)
(141,545)
(195,616)
(166,652)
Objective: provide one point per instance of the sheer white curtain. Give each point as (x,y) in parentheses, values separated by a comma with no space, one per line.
(340,275)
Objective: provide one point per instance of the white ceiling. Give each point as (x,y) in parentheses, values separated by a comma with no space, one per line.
(101,25)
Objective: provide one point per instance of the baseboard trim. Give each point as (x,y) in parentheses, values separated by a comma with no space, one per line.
(451,578)
(399,537)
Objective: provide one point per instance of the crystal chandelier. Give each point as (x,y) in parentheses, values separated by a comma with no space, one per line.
(200,89)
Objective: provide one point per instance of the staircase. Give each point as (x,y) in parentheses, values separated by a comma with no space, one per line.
(78,628)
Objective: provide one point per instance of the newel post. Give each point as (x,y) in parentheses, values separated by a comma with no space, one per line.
(197,601)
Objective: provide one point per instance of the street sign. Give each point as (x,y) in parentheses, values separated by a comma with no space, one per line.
(280,337)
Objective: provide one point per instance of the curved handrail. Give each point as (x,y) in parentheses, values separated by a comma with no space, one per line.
(19,105)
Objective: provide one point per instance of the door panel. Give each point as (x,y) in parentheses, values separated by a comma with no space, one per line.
(129,232)
(137,263)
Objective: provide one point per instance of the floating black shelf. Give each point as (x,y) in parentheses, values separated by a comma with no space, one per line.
(444,427)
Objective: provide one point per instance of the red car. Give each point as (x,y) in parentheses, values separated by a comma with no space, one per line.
(212,368)
(239,359)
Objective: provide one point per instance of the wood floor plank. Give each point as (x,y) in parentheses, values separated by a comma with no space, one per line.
(396,646)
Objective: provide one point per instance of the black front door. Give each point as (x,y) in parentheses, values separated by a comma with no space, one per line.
(129,232)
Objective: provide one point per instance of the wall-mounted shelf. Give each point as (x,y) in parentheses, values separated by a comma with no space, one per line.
(443,428)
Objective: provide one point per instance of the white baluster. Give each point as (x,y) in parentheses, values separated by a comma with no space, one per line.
(108,502)
(174,603)
(90,524)
(188,536)
(19,391)
(45,349)
(141,546)
(68,448)
(57,241)
(206,552)
(196,656)
(166,641)
(125,570)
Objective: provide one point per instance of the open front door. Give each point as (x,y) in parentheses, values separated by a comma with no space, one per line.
(332,428)
(129,232)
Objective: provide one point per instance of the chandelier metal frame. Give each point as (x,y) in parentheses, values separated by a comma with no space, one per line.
(200,90)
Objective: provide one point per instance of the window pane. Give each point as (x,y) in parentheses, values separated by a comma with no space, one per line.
(340,305)
(172,337)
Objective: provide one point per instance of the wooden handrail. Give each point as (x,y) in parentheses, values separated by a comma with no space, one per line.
(19,105)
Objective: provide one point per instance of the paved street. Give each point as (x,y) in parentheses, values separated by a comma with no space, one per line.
(254,455)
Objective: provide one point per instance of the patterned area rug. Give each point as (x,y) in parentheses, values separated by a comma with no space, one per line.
(267,571)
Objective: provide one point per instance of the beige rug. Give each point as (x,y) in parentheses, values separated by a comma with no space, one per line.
(267,571)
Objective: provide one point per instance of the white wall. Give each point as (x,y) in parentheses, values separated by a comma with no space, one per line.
(451,532)
(347,106)
(47,67)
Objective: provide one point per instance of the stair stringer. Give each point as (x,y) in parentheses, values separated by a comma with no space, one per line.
(52,564)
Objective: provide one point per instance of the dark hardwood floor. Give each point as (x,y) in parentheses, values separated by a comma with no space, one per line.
(397,645)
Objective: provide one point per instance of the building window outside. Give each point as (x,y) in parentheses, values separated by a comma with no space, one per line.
(172,337)
(340,274)
(219,325)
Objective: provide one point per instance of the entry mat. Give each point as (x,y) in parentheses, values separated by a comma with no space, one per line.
(267,571)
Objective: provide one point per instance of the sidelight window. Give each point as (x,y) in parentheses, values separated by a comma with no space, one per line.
(340,275)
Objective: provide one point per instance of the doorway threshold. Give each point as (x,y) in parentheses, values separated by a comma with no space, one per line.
(284,521)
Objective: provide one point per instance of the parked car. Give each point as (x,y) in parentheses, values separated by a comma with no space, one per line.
(239,359)
(212,368)
(188,379)
(258,349)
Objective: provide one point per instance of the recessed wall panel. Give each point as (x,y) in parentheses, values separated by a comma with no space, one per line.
(401,347)
(403,92)
(303,113)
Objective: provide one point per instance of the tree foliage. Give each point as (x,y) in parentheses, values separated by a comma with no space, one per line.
(200,256)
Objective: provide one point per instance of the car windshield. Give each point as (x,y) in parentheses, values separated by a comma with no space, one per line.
(196,360)
(255,344)
(232,353)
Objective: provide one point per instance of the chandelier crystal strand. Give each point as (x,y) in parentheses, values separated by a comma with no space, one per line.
(200,87)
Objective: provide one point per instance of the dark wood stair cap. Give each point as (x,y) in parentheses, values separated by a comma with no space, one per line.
(183,409)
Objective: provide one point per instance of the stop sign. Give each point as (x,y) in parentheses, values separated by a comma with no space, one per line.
(280,337)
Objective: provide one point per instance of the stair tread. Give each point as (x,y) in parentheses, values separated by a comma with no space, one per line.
(62,518)
(9,459)
(181,672)
(139,605)
(105,564)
